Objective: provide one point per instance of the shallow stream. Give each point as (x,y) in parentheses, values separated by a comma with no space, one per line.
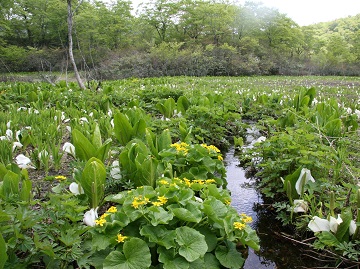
(275,252)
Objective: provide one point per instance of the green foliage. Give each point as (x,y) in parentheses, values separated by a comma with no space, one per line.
(180,227)
(93,180)
(130,125)
(86,149)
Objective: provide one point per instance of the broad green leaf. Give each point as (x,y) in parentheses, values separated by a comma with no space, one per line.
(164,140)
(159,235)
(151,142)
(214,208)
(139,129)
(84,150)
(93,180)
(10,184)
(3,254)
(290,182)
(171,260)
(251,239)
(25,192)
(191,213)
(211,262)
(210,237)
(342,233)
(96,137)
(328,239)
(159,215)
(123,128)
(170,107)
(3,171)
(135,255)
(102,152)
(100,241)
(192,243)
(229,257)
(182,104)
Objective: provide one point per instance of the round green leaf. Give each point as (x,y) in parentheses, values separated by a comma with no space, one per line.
(229,257)
(136,255)
(192,243)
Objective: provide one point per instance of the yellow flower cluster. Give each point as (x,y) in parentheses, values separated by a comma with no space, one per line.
(102,220)
(239,225)
(60,178)
(120,238)
(161,201)
(139,200)
(188,182)
(181,147)
(246,218)
(112,209)
(211,148)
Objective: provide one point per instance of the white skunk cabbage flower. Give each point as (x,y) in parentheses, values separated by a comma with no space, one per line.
(16,145)
(323,225)
(75,188)
(23,162)
(300,206)
(115,170)
(305,176)
(352,227)
(69,148)
(90,217)
(319,225)
(334,223)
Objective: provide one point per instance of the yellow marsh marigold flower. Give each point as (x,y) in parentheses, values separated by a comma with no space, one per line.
(227,202)
(180,148)
(246,218)
(157,203)
(121,238)
(220,158)
(239,225)
(209,181)
(162,199)
(187,182)
(103,216)
(112,209)
(100,221)
(138,201)
(60,177)
(199,181)
(164,182)
(212,147)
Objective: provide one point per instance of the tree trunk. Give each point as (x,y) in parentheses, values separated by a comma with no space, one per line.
(71,55)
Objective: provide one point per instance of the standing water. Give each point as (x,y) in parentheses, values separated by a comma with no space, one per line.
(275,252)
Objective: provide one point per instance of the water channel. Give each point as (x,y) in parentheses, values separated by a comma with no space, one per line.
(275,252)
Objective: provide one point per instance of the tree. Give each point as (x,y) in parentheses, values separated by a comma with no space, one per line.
(162,15)
(71,55)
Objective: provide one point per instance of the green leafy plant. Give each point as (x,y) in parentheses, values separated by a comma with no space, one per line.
(130,125)
(173,226)
(86,149)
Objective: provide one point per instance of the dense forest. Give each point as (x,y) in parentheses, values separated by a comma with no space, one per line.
(173,37)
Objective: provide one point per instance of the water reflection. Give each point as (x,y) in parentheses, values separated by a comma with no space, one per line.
(275,251)
(243,198)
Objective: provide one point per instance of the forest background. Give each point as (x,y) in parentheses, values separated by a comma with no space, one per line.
(171,38)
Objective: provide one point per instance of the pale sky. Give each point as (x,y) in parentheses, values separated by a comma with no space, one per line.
(305,12)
